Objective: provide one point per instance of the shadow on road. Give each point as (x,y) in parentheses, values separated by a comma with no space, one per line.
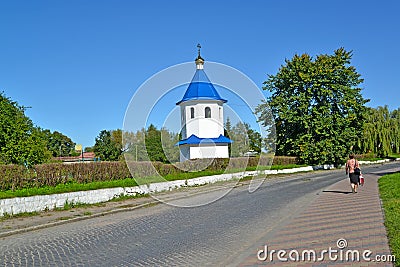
(336,192)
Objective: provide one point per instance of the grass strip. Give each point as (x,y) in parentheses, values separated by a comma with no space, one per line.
(68,187)
(371,159)
(389,188)
(275,167)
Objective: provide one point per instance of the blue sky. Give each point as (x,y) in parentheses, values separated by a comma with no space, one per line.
(78,63)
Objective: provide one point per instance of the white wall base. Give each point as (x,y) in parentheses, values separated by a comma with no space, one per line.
(203,151)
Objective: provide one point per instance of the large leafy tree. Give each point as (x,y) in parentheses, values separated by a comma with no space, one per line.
(317,107)
(20,141)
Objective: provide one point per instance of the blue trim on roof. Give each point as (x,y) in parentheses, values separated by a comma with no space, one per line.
(194,140)
(201,88)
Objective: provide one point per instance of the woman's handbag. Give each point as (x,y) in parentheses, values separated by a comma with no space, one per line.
(361,179)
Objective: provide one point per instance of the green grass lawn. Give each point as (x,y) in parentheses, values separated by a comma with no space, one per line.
(68,187)
(129,182)
(389,187)
(394,155)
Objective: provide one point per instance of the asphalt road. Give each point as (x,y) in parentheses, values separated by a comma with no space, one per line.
(221,233)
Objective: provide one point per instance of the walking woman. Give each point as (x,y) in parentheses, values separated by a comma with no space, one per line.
(351,165)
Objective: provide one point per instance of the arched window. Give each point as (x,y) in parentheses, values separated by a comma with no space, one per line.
(208,112)
(191,113)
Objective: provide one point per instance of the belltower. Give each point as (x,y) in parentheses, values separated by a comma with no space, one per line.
(202,118)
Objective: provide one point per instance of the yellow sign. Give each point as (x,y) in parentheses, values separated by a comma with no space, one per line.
(78,147)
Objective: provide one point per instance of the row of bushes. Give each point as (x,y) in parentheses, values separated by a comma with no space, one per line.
(13,177)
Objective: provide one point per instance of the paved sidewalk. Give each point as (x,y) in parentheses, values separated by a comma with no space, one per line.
(336,214)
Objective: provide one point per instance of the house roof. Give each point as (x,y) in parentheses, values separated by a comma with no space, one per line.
(200,88)
(194,140)
(86,155)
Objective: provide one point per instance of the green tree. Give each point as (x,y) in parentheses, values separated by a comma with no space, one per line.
(395,126)
(317,107)
(89,149)
(20,141)
(151,145)
(108,145)
(168,141)
(381,132)
(227,132)
(58,144)
(255,139)
(154,145)
(135,145)
(240,139)
(116,137)
(244,138)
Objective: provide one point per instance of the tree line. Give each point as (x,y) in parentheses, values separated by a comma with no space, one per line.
(315,111)
(153,144)
(143,145)
(380,135)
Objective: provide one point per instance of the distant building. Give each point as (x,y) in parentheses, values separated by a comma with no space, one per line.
(86,156)
(202,119)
